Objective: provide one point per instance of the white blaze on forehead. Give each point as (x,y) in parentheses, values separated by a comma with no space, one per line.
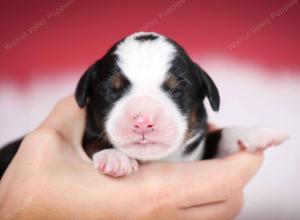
(145,63)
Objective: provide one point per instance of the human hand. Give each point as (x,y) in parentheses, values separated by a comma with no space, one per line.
(51,178)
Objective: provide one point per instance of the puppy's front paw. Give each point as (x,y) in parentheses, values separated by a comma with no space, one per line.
(259,139)
(114,163)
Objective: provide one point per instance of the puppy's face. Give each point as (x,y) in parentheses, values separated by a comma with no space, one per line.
(146,96)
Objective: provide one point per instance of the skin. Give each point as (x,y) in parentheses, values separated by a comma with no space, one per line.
(51,178)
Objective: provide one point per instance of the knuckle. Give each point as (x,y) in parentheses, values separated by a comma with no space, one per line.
(240,200)
(44,134)
(237,182)
(234,184)
(61,103)
(158,200)
(161,195)
(235,206)
(40,137)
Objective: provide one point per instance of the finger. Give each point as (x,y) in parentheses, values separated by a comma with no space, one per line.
(218,180)
(67,119)
(228,209)
(251,163)
(202,182)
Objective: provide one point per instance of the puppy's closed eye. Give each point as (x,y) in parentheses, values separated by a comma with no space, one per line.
(171,82)
(112,88)
(118,81)
(175,86)
(117,85)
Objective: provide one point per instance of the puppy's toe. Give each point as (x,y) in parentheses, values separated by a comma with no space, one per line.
(114,163)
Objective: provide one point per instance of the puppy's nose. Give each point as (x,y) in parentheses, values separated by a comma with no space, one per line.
(143,124)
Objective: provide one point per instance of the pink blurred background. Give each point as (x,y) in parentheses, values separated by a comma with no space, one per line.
(64,34)
(250,48)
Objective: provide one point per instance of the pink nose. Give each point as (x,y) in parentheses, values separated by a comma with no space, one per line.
(143,124)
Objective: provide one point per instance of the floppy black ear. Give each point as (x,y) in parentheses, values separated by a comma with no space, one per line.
(83,89)
(211,90)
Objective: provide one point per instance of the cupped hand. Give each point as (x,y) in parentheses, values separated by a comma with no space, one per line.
(51,178)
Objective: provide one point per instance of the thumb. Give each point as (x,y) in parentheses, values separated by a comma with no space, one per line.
(245,164)
(209,181)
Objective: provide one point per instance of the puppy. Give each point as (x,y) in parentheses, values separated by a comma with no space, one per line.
(144,102)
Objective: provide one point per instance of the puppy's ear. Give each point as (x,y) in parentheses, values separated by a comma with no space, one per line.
(211,91)
(83,89)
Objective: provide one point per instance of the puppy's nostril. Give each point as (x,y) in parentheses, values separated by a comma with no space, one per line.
(136,126)
(150,126)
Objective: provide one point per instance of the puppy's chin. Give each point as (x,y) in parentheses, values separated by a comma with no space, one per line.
(148,150)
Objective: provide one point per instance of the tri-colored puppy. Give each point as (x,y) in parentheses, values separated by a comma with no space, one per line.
(144,100)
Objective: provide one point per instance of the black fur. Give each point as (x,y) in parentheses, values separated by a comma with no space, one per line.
(194,145)
(146,37)
(95,91)
(200,126)
(210,88)
(197,79)
(211,144)
(7,153)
